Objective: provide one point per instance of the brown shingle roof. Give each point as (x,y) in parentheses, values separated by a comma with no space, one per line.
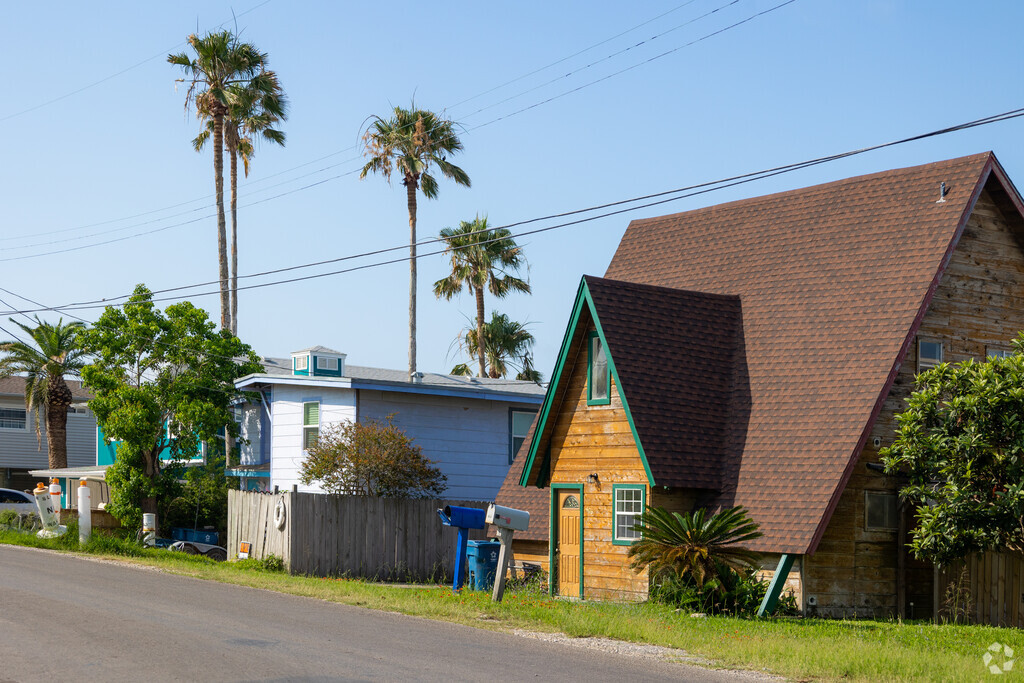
(833,281)
(673,353)
(15,386)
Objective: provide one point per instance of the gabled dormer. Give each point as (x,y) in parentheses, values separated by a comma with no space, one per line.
(318,361)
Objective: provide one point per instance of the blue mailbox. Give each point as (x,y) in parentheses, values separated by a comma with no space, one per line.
(463,519)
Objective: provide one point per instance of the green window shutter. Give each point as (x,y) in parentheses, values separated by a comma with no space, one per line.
(311,414)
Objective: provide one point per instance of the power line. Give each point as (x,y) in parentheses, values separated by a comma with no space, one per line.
(630,68)
(574,54)
(602,59)
(660,197)
(115,75)
(351,148)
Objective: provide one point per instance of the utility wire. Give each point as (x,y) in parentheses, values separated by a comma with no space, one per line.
(630,68)
(660,197)
(351,148)
(115,75)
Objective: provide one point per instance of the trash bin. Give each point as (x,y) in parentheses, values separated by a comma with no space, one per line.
(482,562)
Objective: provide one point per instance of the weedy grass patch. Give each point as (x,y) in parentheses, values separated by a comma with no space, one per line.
(804,649)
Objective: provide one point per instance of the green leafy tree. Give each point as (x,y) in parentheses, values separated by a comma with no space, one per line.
(695,545)
(160,380)
(410,144)
(57,353)
(960,442)
(507,345)
(371,458)
(481,259)
(254,109)
(203,500)
(221,63)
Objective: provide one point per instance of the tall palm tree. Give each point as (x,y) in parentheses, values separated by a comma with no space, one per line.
(253,109)
(220,63)
(409,144)
(506,343)
(481,259)
(695,544)
(57,352)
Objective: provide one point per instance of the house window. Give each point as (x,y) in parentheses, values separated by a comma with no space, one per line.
(326,363)
(302,362)
(991,353)
(929,354)
(77,410)
(310,423)
(629,509)
(519,425)
(880,511)
(599,379)
(12,418)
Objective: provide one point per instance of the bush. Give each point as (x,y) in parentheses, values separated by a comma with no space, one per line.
(270,563)
(8,517)
(730,593)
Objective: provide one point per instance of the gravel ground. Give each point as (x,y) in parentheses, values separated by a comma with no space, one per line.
(621,647)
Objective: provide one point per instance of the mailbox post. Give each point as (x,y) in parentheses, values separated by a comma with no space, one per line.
(463,519)
(507,521)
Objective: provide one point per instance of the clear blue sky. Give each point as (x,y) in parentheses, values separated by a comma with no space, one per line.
(810,79)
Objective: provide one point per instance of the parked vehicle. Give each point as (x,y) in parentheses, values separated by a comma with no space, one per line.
(16,500)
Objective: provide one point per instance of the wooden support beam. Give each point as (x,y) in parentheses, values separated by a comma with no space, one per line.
(771,598)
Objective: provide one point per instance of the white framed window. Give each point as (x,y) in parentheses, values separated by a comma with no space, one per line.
(13,418)
(519,426)
(310,423)
(628,500)
(302,362)
(880,511)
(993,352)
(78,410)
(929,354)
(326,363)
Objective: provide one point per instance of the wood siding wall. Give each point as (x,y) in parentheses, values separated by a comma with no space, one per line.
(979,304)
(391,539)
(597,439)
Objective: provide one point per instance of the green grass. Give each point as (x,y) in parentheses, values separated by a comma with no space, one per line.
(806,649)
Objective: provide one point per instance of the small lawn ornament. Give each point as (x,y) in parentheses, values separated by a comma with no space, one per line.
(463,519)
(47,515)
(507,521)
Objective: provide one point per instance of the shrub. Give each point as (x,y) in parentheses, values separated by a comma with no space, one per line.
(730,593)
(270,563)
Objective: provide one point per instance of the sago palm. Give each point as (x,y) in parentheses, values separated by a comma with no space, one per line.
(410,143)
(697,544)
(57,352)
(481,259)
(220,64)
(506,343)
(254,108)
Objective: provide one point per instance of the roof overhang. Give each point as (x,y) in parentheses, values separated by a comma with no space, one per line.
(95,473)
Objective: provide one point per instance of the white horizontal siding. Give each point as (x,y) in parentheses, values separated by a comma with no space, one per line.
(19,448)
(336,405)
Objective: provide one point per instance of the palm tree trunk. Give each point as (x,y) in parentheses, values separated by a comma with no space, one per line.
(410,191)
(58,400)
(480,329)
(234,241)
(222,247)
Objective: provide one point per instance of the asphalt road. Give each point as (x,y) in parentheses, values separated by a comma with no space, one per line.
(64,618)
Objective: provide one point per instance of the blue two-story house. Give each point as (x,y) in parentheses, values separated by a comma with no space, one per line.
(470,427)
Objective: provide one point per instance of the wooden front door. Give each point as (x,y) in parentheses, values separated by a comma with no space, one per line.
(569,511)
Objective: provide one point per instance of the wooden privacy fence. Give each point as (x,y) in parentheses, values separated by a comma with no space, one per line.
(391,539)
(982,589)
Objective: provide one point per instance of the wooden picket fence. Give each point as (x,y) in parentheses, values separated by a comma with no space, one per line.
(390,539)
(982,589)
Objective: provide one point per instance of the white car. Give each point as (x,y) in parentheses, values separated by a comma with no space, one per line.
(16,500)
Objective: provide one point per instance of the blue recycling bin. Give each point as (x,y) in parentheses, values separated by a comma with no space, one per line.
(482,559)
